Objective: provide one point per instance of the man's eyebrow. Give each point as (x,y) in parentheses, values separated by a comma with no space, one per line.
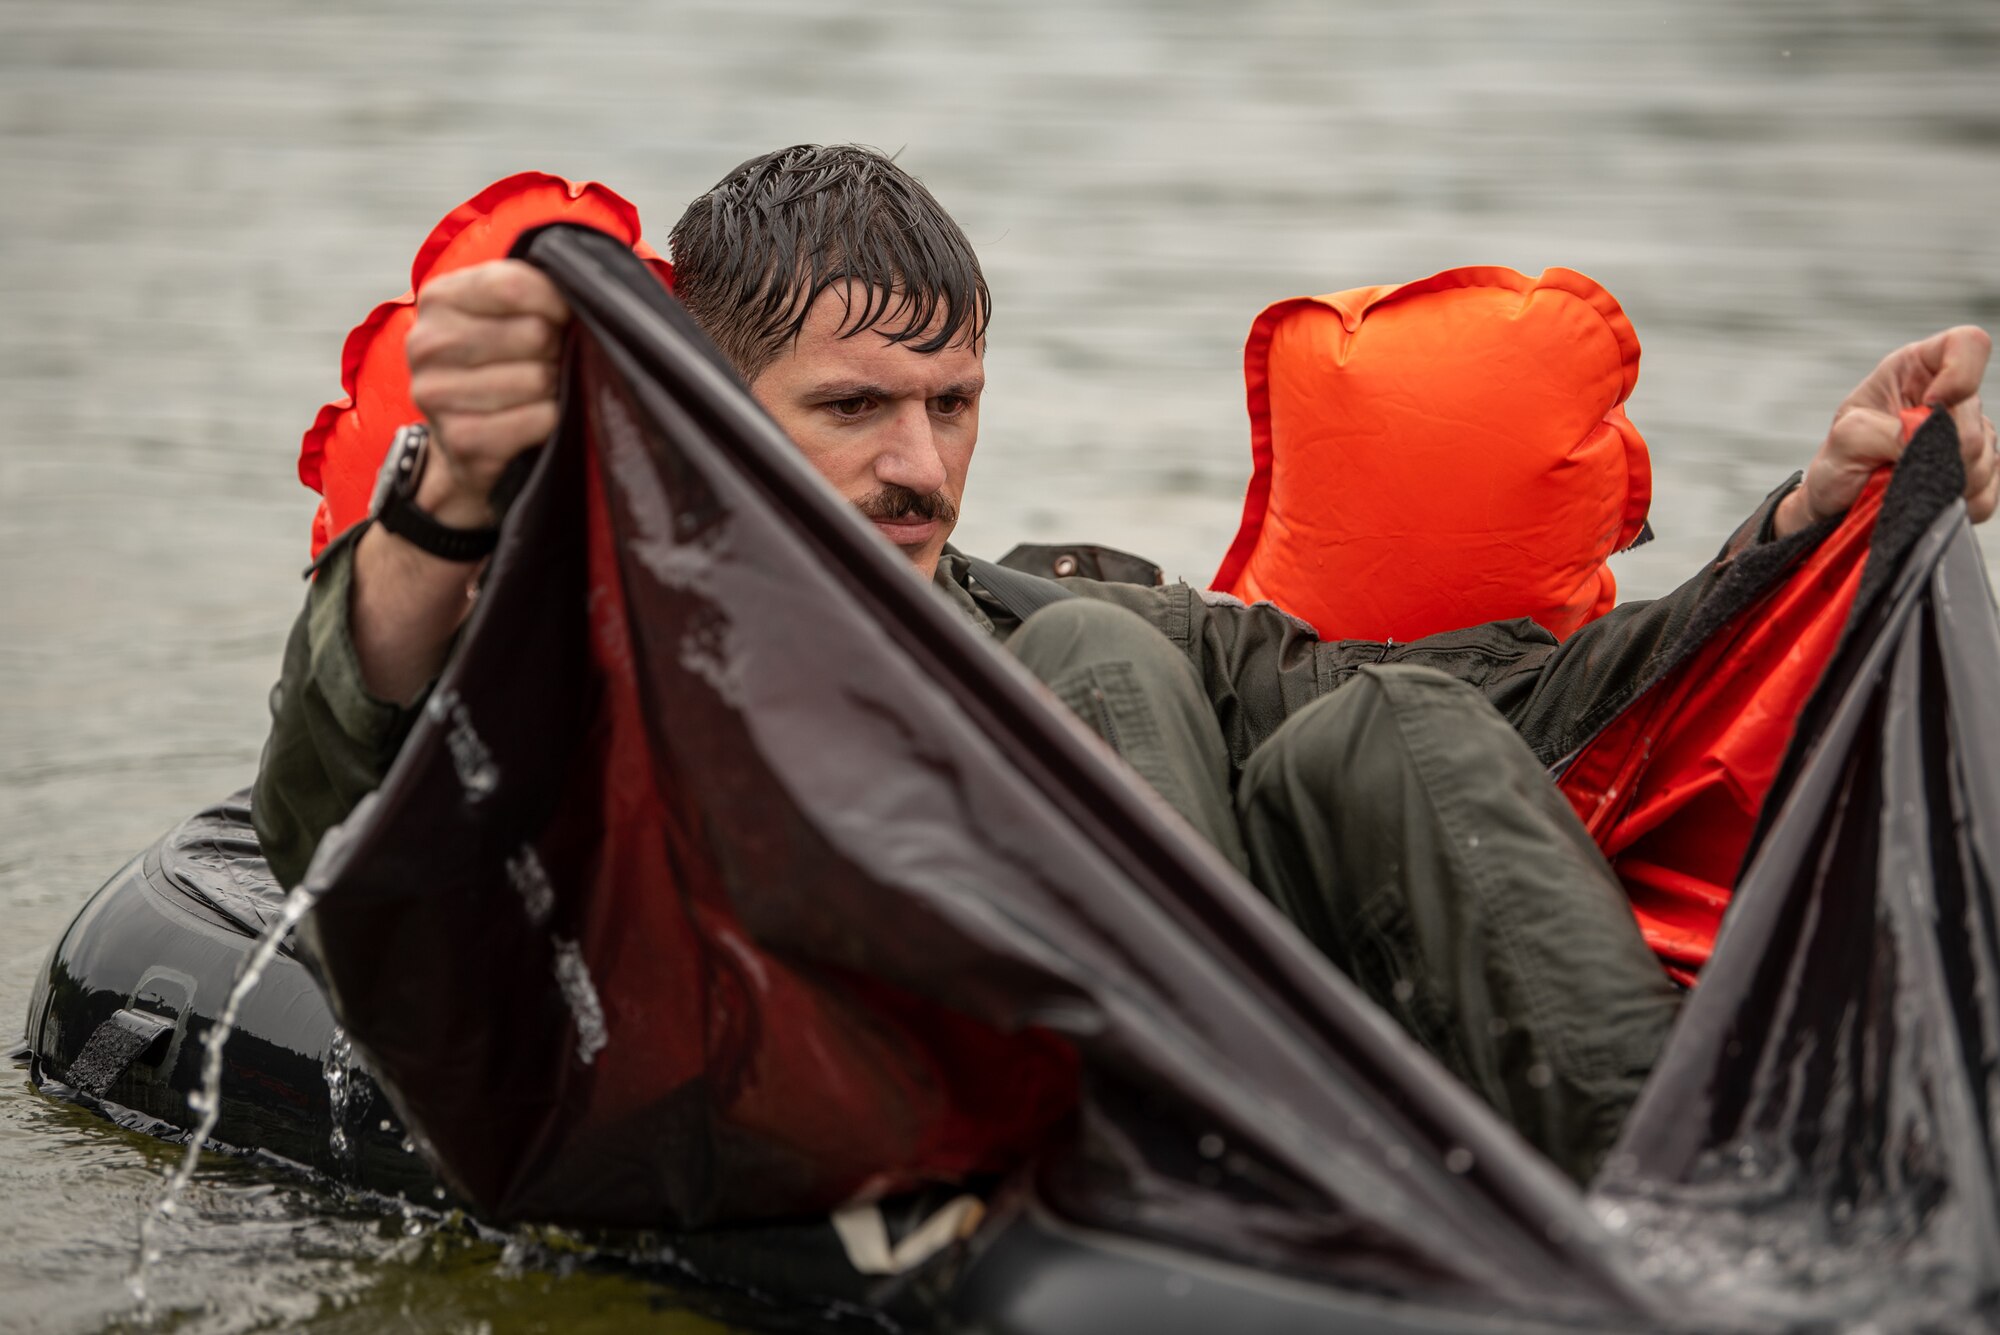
(835,390)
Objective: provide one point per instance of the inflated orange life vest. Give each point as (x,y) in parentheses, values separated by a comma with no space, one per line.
(343,449)
(1438,454)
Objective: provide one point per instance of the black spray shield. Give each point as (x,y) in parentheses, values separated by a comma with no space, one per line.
(711,770)
(1821,1129)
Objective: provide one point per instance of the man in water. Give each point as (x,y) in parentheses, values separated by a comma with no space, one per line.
(1392,800)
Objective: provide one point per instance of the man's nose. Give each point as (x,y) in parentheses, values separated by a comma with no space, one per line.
(910,456)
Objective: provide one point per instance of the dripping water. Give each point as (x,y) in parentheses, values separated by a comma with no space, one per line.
(206,1102)
(339,1072)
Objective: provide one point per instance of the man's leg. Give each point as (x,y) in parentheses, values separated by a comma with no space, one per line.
(1409,831)
(1133,688)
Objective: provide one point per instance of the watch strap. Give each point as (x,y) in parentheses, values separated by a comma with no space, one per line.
(401,517)
(396,506)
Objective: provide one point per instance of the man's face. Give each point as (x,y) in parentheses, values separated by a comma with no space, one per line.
(890,428)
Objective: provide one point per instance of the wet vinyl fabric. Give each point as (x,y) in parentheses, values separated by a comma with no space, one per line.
(729,875)
(1671,789)
(1827,1102)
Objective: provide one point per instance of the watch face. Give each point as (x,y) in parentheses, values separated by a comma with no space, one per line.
(396,463)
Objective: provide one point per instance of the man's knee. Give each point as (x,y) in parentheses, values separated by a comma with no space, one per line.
(1133,687)
(1124,679)
(1079,633)
(1353,748)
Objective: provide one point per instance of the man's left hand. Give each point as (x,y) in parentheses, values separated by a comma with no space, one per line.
(1942,371)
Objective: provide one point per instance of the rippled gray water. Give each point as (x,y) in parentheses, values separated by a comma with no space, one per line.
(198,199)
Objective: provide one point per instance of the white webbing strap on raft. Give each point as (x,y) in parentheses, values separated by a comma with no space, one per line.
(865,1235)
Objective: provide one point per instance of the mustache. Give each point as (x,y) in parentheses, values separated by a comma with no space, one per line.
(893,502)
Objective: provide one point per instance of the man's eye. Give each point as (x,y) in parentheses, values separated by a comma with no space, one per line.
(853,407)
(949,405)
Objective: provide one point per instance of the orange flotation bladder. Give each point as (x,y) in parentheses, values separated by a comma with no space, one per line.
(1672,788)
(343,449)
(1439,454)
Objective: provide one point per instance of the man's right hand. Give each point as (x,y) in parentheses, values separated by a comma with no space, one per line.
(484,359)
(1942,371)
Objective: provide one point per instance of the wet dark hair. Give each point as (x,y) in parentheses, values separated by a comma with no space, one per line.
(752,255)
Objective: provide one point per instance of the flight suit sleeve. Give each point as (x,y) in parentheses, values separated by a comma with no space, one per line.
(1562,698)
(1260,665)
(331,742)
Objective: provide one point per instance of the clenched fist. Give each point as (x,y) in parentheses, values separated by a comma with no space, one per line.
(484,356)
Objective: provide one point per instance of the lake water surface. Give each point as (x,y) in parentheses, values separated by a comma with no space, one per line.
(198,199)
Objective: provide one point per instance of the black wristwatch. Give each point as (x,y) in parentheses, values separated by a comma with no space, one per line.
(395,504)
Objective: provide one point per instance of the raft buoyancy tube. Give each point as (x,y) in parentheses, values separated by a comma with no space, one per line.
(118,1013)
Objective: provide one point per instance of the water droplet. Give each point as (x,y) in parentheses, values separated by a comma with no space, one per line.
(477,774)
(336,1069)
(531,882)
(409,1146)
(1458,1159)
(1403,989)
(1539,1076)
(573,976)
(1210,1146)
(384,1125)
(1615,1218)
(437,1193)
(1473,842)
